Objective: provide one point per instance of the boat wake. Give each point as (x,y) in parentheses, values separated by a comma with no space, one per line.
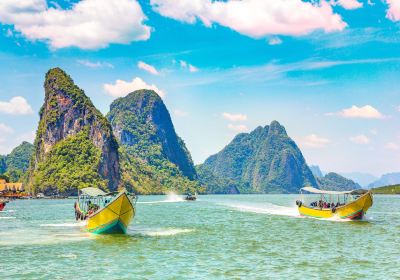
(39,237)
(77,224)
(171,198)
(268,208)
(8,218)
(9,211)
(159,232)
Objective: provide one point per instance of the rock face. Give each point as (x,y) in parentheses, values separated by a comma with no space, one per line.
(335,182)
(316,171)
(67,112)
(142,119)
(154,158)
(265,160)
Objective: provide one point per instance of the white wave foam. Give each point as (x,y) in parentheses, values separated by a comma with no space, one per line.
(171,198)
(68,256)
(9,211)
(8,218)
(168,232)
(18,238)
(268,208)
(162,232)
(77,224)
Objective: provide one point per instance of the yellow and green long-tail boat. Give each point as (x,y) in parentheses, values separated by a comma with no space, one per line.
(332,204)
(105,212)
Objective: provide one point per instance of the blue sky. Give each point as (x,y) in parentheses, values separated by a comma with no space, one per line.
(326,71)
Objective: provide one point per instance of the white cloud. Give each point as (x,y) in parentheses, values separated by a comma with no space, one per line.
(16,106)
(255,18)
(238,127)
(193,69)
(360,139)
(365,112)
(234,117)
(393,12)
(315,141)
(122,88)
(96,64)
(183,63)
(180,113)
(4,129)
(274,41)
(392,146)
(347,4)
(88,24)
(147,67)
(186,65)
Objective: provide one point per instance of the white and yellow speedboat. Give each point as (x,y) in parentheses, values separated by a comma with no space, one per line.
(105,212)
(328,204)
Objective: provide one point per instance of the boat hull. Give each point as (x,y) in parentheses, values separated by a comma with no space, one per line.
(2,205)
(354,210)
(115,217)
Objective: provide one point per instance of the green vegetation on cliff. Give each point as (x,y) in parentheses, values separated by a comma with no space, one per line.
(143,177)
(15,165)
(70,165)
(265,160)
(153,158)
(393,189)
(335,182)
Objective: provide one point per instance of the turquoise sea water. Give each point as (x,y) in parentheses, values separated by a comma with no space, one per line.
(216,237)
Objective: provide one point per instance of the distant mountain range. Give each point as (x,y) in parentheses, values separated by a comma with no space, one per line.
(364,179)
(386,180)
(361,179)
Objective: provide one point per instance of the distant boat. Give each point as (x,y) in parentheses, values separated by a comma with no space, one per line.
(191,197)
(105,212)
(328,204)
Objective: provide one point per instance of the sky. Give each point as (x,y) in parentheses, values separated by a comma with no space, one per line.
(326,70)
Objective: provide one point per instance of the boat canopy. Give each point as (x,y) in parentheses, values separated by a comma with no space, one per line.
(314,190)
(92,192)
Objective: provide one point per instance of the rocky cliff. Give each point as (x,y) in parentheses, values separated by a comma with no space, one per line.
(74,145)
(153,153)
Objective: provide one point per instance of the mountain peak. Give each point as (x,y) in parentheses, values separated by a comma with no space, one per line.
(276,128)
(145,93)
